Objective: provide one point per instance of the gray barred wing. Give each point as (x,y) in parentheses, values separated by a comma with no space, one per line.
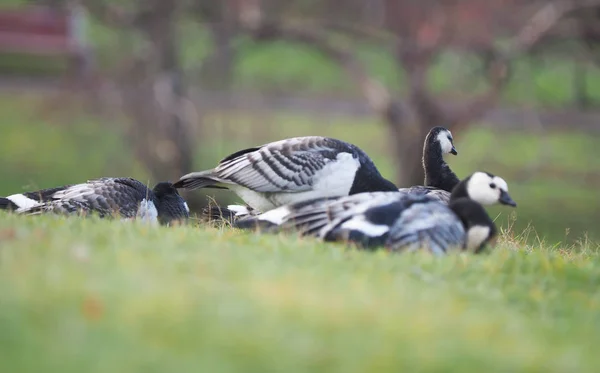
(289,165)
(105,196)
(432,226)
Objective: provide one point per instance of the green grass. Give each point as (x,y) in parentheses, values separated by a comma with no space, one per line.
(106,296)
(42,146)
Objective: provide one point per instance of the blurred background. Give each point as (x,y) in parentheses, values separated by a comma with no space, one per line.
(154,89)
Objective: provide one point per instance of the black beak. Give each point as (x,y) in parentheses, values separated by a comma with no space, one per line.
(453,151)
(506,200)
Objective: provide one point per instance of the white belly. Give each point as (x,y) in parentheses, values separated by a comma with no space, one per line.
(257,201)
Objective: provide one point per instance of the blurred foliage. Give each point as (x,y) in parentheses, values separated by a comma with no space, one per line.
(546,80)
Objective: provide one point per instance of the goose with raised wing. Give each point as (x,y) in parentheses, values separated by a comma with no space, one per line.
(292,170)
(399,222)
(107,197)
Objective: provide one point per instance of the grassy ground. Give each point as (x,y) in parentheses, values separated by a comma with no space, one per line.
(106,296)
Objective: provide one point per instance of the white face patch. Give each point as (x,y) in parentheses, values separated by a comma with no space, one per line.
(476,235)
(500,183)
(22,202)
(483,189)
(445,143)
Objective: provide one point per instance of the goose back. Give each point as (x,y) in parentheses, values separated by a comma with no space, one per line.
(292,170)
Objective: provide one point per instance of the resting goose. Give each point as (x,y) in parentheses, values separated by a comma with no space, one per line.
(292,170)
(439,178)
(396,221)
(106,197)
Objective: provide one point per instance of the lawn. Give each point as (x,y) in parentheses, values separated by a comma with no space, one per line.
(100,296)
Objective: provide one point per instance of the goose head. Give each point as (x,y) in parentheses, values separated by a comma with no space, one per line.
(171,206)
(484,188)
(442,138)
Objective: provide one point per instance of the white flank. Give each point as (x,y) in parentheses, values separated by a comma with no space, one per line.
(239,210)
(147,212)
(366,227)
(187,208)
(276,216)
(23,202)
(256,200)
(476,236)
(445,143)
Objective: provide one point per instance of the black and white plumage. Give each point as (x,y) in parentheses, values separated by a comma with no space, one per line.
(292,170)
(396,221)
(439,178)
(106,197)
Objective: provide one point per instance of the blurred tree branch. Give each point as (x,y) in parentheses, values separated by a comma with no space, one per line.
(421,32)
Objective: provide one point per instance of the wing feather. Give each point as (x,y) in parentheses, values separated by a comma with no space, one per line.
(426,225)
(287,165)
(435,193)
(105,196)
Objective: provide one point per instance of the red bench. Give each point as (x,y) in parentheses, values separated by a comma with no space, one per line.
(44,31)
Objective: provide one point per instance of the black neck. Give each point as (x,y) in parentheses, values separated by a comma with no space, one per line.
(372,184)
(473,214)
(437,172)
(368,179)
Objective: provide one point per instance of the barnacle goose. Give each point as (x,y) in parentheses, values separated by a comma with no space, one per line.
(292,170)
(439,178)
(396,221)
(106,197)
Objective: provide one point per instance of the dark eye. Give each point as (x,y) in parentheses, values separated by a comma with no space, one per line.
(449,138)
(493,186)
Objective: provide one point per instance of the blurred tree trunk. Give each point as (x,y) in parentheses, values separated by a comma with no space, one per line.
(581,99)
(217,69)
(152,86)
(177,153)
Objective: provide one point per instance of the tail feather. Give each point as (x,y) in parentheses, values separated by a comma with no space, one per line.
(7,204)
(217,213)
(227,214)
(197,180)
(254,224)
